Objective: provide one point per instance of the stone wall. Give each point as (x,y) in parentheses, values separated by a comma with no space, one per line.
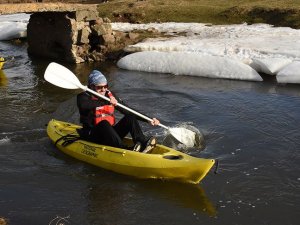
(75,37)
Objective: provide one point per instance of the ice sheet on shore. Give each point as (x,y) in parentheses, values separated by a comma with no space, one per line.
(188,63)
(269,66)
(9,30)
(266,48)
(290,73)
(13,26)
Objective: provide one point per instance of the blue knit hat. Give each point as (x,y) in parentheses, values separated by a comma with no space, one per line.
(96,77)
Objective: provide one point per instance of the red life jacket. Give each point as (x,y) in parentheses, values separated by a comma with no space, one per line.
(105,112)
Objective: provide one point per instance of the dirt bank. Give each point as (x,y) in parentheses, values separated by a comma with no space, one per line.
(41,7)
(274,16)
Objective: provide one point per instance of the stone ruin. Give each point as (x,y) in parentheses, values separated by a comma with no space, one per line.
(75,37)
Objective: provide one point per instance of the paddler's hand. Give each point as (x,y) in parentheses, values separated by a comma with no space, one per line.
(155,122)
(113,101)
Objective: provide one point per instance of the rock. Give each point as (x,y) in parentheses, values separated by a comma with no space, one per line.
(3,221)
(133,36)
(99,21)
(120,36)
(102,29)
(86,15)
(106,20)
(108,38)
(83,35)
(96,56)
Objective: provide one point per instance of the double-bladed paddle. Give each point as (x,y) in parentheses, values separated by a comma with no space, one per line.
(62,77)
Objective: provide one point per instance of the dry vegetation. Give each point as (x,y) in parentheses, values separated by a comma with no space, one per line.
(276,12)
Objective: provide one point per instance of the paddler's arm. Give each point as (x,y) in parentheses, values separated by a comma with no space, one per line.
(114,100)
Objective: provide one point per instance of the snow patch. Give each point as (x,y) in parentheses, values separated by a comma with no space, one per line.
(269,65)
(290,73)
(186,63)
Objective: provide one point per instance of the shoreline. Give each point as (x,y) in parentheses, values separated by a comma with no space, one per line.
(202,12)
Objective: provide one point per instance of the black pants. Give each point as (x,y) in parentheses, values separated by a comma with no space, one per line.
(106,134)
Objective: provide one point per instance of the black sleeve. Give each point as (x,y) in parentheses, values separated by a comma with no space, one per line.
(84,102)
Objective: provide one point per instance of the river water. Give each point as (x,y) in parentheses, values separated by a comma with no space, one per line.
(251,127)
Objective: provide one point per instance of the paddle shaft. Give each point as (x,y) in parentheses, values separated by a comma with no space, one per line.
(123,106)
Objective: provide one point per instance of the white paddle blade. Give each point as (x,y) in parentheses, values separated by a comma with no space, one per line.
(183,135)
(62,77)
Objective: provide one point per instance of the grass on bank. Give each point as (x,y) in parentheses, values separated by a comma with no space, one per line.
(276,12)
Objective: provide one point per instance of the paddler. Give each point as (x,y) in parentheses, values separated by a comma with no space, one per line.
(98,118)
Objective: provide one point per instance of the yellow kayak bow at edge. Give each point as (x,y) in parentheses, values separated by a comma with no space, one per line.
(2,61)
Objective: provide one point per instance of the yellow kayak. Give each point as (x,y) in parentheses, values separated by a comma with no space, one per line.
(161,163)
(3,78)
(2,61)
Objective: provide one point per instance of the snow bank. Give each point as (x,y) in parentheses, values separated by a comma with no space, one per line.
(241,42)
(12,30)
(18,17)
(269,65)
(290,73)
(186,63)
(265,48)
(13,26)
